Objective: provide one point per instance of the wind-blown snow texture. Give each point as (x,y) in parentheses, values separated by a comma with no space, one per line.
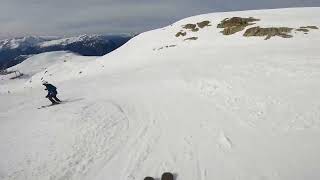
(220,107)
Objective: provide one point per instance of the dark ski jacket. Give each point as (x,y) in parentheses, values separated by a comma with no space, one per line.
(52,90)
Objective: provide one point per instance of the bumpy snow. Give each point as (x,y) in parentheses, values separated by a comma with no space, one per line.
(219,107)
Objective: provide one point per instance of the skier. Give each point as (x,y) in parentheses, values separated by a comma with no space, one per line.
(52,93)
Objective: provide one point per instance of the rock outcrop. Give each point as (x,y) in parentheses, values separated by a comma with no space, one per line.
(191,38)
(193,27)
(306,29)
(203,24)
(235,24)
(181,33)
(269,32)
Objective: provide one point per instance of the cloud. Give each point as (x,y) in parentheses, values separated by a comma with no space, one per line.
(68,17)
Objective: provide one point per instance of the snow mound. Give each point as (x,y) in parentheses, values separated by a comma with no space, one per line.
(51,66)
(201,105)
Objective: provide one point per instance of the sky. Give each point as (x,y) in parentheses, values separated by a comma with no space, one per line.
(73,17)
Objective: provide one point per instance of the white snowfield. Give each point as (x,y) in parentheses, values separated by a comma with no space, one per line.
(219,107)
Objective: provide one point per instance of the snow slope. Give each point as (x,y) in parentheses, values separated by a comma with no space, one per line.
(219,107)
(59,65)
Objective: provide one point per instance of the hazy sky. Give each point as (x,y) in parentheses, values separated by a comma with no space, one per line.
(71,17)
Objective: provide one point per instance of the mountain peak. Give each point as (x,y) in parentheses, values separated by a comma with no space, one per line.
(90,45)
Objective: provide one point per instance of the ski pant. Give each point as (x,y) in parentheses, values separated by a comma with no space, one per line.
(53,98)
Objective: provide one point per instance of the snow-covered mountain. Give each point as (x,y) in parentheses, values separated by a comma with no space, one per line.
(205,98)
(66,41)
(22,42)
(13,51)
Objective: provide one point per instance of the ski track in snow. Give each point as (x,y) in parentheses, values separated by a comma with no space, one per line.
(143,145)
(92,142)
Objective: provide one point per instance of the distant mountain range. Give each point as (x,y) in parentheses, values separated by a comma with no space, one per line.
(14,51)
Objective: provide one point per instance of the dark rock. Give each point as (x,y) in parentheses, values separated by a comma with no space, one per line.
(309,27)
(302,30)
(190,26)
(191,38)
(269,32)
(203,24)
(181,34)
(235,24)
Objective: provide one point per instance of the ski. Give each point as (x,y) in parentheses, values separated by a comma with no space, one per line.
(46,106)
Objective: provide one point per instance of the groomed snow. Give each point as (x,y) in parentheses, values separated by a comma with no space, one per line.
(220,107)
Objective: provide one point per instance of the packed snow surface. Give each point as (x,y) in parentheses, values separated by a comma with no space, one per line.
(219,107)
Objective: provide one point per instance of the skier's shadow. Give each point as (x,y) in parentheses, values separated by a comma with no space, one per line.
(72,100)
